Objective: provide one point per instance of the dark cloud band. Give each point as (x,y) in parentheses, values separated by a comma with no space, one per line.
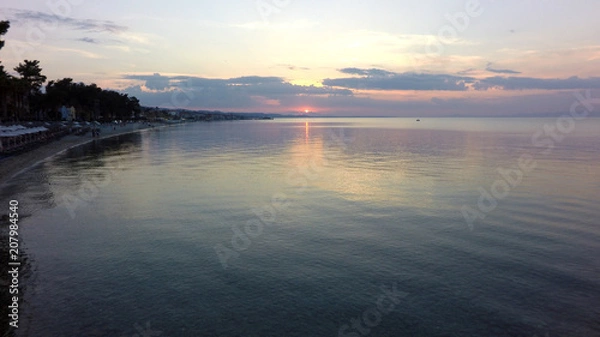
(88,25)
(378,79)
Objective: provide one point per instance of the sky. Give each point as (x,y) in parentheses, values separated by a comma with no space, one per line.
(346,58)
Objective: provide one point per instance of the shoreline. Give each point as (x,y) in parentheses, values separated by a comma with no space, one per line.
(15,165)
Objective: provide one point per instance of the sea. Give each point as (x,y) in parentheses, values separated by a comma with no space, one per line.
(341,227)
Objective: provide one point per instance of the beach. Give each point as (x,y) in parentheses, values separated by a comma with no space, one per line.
(15,164)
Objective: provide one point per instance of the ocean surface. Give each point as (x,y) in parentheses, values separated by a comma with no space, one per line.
(318,227)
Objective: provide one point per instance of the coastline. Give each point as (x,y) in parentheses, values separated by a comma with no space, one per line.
(12,166)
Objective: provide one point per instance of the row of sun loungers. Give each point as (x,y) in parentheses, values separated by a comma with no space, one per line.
(15,138)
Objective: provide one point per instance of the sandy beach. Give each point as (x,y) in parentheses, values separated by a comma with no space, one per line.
(14,165)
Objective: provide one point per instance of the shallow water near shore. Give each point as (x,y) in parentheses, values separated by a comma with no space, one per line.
(316,227)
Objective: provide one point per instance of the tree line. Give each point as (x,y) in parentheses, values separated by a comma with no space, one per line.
(22,97)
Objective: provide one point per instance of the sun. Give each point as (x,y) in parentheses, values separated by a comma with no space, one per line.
(305,110)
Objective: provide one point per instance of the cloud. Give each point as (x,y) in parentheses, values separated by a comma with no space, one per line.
(373,72)
(157,82)
(266,94)
(467,71)
(539,104)
(71,51)
(240,92)
(48,19)
(500,71)
(336,96)
(292,67)
(88,40)
(449,103)
(377,79)
(92,40)
(529,83)
(255,80)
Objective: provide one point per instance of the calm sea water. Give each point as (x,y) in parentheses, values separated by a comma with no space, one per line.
(318,227)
